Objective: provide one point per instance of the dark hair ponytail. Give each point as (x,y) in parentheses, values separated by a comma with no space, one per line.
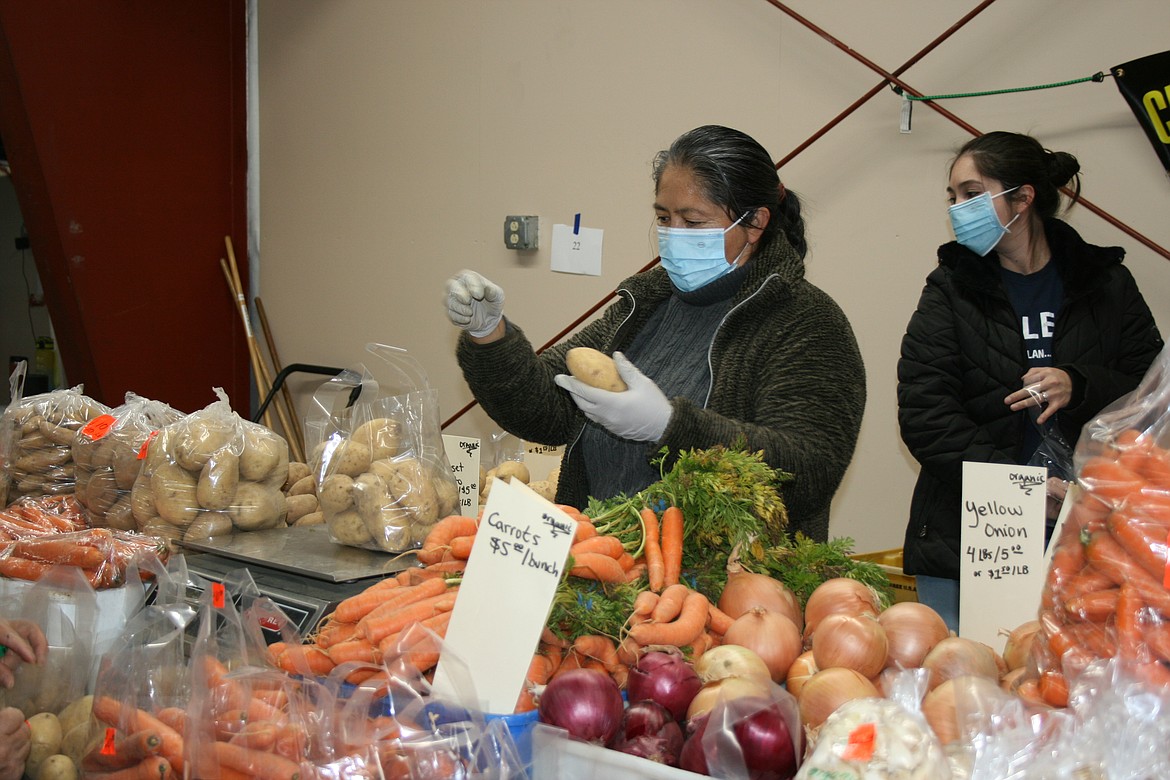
(737,173)
(1015,159)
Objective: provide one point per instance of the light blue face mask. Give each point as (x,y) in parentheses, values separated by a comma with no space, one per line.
(976,224)
(694,257)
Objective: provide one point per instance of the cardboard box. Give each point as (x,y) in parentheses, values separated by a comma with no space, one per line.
(890,561)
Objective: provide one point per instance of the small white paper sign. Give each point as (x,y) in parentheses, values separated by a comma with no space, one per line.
(508,587)
(576,253)
(1001,552)
(463,455)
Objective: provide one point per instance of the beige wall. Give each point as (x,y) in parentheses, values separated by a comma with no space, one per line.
(396,135)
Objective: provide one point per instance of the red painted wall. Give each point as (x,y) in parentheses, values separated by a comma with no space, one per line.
(125,124)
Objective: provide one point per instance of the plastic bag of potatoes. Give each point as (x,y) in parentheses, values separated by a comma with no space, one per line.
(36,443)
(209,474)
(107,455)
(383,478)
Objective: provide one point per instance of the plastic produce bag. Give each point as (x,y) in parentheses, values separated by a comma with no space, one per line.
(383,478)
(106,457)
(64,605)
(36,442)
(744,736)
(209,474)
(1105,592)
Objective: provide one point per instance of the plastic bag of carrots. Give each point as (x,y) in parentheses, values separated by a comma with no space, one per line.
(1107,590)
(103,555)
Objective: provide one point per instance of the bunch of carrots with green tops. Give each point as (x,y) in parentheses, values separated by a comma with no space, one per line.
(1107,590)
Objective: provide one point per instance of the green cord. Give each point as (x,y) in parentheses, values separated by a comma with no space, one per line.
(1099,76)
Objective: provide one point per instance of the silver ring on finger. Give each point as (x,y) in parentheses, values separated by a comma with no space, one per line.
(1044,396)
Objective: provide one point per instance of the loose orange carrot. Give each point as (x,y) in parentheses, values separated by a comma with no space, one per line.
(120,752)
(603,544)
(131,719)
(408,639)
(718,620)
(439,538)
(670,603)
(672,544)
(644,604)
(398,598)
(704,642)
(357,606)
(358,649)
(629,651)
(627,562)
(599,648)
(301,658)
(257,763)
(637,572)
(652,550)
(375,630)
(461,547)
(444,568)
(539,672)
(680,632)
(334,632)
(585,529)
(595,566)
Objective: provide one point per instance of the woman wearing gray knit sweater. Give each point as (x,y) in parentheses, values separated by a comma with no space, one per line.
(725,343)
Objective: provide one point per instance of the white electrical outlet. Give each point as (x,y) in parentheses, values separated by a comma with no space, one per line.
(520,232)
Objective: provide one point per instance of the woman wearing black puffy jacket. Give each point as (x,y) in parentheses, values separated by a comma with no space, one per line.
(1022,326)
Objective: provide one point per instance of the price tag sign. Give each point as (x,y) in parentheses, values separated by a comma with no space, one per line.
(508,587)
(463,455)
(1001,549)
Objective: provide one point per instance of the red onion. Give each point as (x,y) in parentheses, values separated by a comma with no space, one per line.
(648,730)
(759,739)
(769,752)
(666,678)
(584,702)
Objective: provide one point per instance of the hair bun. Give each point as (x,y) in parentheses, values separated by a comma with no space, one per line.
(1062,167)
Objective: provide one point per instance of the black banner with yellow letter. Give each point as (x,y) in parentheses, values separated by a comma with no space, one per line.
(1145,84)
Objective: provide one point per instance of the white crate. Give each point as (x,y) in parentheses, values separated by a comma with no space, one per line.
(115,607)
(556,757)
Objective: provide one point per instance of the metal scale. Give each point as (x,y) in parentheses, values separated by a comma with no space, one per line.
(301,569)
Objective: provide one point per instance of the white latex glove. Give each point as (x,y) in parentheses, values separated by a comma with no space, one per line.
(474,303)
(639,413)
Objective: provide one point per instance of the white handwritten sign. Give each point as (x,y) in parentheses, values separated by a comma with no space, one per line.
(576,251)
(463,455)
(1001,549)
(512,575)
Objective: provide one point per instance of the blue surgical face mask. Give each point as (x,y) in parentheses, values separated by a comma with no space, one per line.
(976,224)
(694,257)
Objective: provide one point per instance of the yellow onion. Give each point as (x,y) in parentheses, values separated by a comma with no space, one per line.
(957,656)
(913,629)
(802,668)
(1009,681)
(857,642)
(772,636)
(726,689)
(838,595)
(1018,645)
(827,690)
(745,590)
(731,660)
